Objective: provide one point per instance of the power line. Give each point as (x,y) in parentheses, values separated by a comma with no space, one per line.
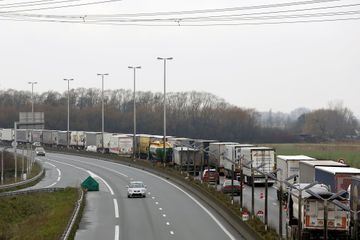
(62,6)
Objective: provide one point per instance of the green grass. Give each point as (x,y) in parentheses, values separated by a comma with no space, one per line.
(36,216)
(332,151)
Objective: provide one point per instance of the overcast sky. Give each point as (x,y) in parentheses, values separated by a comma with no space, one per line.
(279,67)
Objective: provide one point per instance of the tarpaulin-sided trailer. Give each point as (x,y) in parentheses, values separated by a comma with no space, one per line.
(50,137)
(307,169)
(121,144)
(338,178)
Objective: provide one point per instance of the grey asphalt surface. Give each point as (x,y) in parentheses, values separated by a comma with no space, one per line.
(168,212)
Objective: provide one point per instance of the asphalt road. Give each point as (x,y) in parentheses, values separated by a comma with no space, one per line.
(168,212)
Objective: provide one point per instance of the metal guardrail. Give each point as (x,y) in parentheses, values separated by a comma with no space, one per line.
(73,217)
(25,192)
(7,186)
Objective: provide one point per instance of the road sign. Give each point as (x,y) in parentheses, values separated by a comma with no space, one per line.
(260,214)
(245,216)
(14,144)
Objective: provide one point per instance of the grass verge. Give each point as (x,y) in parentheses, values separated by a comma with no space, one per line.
(37,215)
(350,152)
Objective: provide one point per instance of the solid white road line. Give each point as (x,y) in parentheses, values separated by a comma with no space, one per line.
(59,177)
(116,208)
(117,232)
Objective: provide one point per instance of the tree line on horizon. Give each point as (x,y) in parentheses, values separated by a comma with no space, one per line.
(193,114)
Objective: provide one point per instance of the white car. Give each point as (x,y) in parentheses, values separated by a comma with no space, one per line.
(136,189)
(39,151)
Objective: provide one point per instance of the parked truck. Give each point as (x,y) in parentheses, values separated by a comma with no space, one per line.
(355,206)
(23,135)
(232,156)
(50,138)
(216,155)
(62,138)
(312,215)
(7,135)
(289,166)
(36,135)
(94,139)
(307,169)
(187,158)
(254,157)
(121,144)
(77,139)
(337,178)
(156,151)
(203,146)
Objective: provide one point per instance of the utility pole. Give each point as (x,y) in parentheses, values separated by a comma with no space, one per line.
(32,100)
(134,97)
(102,108)
(68,110)
(164,147)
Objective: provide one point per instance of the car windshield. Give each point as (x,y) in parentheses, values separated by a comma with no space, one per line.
(136,185)
(39,149)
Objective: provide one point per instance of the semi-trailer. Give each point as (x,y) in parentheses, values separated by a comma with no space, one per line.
(36,135)
(77,139)
(95,139)
(260,158)
(289,166)
(7,135)
(62,138)
(121,144)
(216,155)
(50,138)
(232,157)
(187,158)
(312,214)
(337,178)
(307,169)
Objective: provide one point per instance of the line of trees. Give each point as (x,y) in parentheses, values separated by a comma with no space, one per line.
(189,114)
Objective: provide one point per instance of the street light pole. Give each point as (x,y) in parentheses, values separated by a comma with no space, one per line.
(134,141)
(102,107)
(164,148)
(32,99)
(68,110)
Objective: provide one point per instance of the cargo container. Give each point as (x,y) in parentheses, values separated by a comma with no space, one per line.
(49,138)
(187,158)
(256,156)
(7,135)
(23,135)
(77,139)
(232,156)
(312,215)
(156,151)
(355,206)
(36,136)
(289,166)
(337,178)
(121,144)
(62,138)
(216,155)
(307,169)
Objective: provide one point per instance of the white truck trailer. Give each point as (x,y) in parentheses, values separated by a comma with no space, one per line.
(232,156)
(312,215)
(254,157)
(216,154)
(77,139)
(121,144)
(7,135)
(289,166)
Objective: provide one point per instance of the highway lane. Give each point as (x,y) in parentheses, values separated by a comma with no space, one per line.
(168,212)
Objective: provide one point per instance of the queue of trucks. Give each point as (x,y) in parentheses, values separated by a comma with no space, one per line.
(293,176)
